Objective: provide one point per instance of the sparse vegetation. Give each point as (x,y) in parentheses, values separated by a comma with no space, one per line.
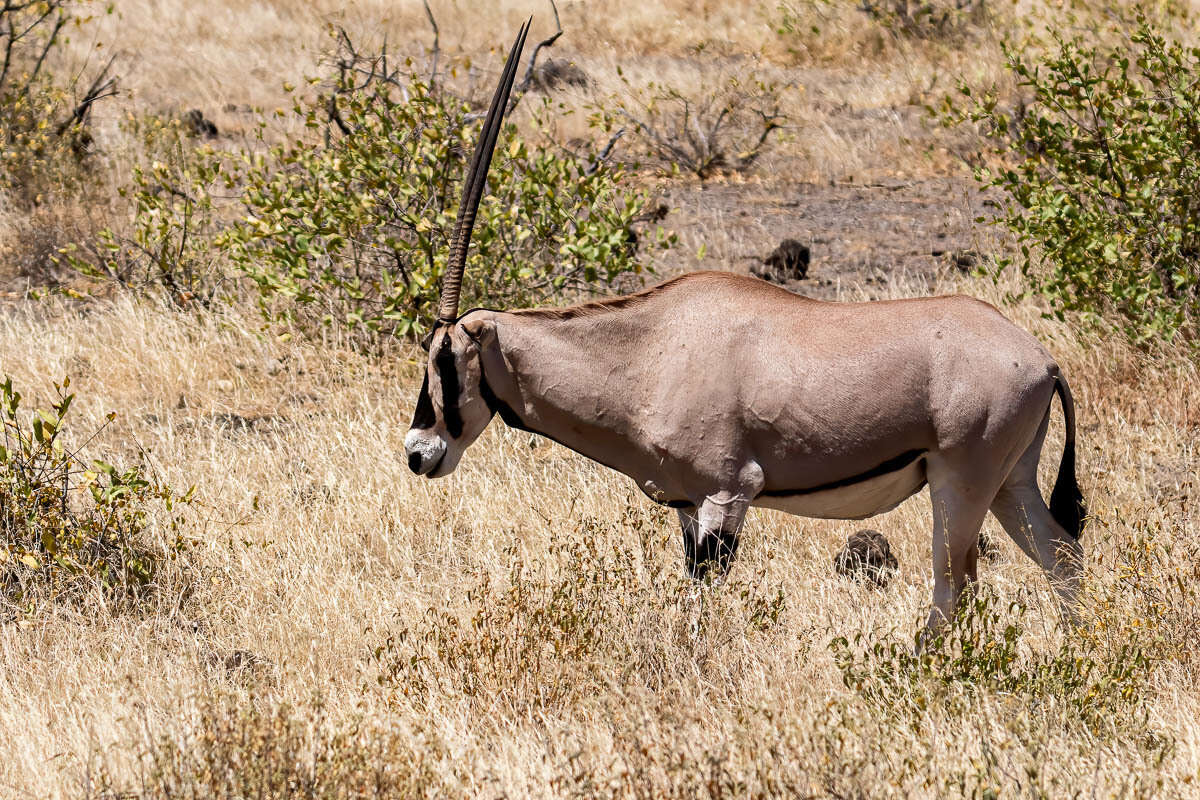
(171,244)
(71,526)
(723,127)
(550,636)
(43,115)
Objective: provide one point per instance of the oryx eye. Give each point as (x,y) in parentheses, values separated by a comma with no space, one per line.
(426,340)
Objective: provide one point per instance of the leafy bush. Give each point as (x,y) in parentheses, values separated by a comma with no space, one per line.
(62,535)
(174,220)
(1101,168)
(351,225)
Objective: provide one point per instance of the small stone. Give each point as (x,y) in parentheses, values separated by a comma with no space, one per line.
(195,123)
(787,262)
(557,72)
(866,556)
(987,548)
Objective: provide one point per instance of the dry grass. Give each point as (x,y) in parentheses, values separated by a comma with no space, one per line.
(629,685)
(342,629)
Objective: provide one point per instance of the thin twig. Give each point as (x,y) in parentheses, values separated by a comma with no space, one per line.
(436,44)
(605,153)
(102,87)
(527,80)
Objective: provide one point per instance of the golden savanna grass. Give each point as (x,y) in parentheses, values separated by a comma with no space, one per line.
(338,628)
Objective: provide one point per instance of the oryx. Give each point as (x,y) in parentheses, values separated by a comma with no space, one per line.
(716,392)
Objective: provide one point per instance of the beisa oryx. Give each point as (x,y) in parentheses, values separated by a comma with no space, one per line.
(716,392)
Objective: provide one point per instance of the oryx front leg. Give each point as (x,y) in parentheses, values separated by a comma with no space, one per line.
(710,533)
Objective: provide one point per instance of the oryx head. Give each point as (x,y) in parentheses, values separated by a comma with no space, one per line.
(451,409)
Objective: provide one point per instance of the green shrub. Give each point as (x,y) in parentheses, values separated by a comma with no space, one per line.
(62,535)
(349,226)
(984,651)
(171,242)
(1099,160)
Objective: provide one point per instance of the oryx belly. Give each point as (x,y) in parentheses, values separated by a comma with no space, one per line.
(858,497)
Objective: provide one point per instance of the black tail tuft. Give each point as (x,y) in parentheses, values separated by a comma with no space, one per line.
(1066,501)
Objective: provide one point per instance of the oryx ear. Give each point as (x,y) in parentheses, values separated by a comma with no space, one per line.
(481,331)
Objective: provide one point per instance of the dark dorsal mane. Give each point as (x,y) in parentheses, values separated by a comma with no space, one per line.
(603,305)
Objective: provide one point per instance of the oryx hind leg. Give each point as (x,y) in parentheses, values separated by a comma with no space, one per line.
(1026,519)
(959,507)
(711,532)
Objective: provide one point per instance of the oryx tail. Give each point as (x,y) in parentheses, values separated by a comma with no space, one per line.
(1066,501)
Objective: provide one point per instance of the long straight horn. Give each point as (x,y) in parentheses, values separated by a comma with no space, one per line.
(476,182)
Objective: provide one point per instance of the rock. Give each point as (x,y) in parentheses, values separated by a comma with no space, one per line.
(787,262)
(987,548)
(866,556)
(556,72)
(195,123)
(965,260)
(962,260)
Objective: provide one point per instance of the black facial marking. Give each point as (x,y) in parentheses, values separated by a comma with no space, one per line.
(891,465)
(448,376)
(423,417)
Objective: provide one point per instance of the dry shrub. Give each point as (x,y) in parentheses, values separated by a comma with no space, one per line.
(43,124)
(604,610)
(721,121)
(271,750)
(1147,583)
(31,244)
(821,31)
(48,175)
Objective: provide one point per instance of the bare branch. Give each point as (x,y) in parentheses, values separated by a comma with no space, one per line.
(59,24)
(527,79)
(102,87)
(436,43)
(605,153)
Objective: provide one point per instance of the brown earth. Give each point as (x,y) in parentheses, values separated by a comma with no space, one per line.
(861,236)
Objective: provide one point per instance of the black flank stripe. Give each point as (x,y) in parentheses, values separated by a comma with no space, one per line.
(891,465)
(448,376)
(424,417)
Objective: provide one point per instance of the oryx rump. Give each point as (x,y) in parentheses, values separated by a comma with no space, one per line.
(718,392)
